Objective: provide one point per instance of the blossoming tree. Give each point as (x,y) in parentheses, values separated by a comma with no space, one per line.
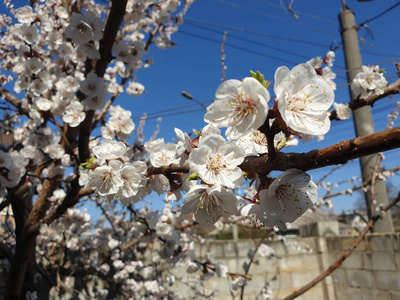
(67,62)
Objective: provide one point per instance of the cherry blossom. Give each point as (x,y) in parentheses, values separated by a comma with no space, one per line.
(241,106)
(303,99)
(343,111)
(208,204)
(216,161)
(369,82)
(286,199)
(74,114)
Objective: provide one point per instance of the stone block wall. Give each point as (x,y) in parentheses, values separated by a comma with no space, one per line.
(371,272)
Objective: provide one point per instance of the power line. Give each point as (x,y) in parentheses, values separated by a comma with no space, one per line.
(380,14)
(376,63)
(173,109)
(237,47)
(300,13)
(275,17)
(171,114)
(252,42)
(378,53)
(188,20)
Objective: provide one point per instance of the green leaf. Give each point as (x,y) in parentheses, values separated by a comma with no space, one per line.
(193,176)
(89,164)
(260,78)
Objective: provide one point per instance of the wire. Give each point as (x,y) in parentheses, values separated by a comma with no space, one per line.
(252,42)
(274,17)
(171,114)
(188,20)
(380,15)
(173,109)
(299,12)
(236,47)
(377,63)
(378,53)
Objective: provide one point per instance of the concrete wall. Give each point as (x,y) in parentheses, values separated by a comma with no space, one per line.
(371,272)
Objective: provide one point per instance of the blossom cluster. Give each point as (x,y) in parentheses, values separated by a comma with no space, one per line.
(301,107)
(369,82)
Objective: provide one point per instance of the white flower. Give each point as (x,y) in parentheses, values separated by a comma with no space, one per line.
(166,154)
(209,203)
(109,149)
(135,88)
(255,143)
(328,75)
(107,179)
(121,123)
(266,251)
(83,29)
(343,111)
(208,130)
(95,90)
(237,283)
(329,58)
(74,114)
(24,14)
(303,99)
(241,106)
(183,139)
(55,151)
(316,62)
(369,82)
(216,161)
(93,84)
(287,198)
(133,178)
(27,33)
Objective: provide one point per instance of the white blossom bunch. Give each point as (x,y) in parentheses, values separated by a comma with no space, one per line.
(369,82)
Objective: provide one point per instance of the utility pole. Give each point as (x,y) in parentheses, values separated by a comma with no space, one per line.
(363,119)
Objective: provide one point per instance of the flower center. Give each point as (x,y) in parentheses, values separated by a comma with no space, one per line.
(243,106)
(216,164)
(210,204)
(296,103)
(258,138)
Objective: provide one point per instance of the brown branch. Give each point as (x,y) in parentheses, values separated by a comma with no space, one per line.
(341,259)
(151,37)
(167,170)
(103,112)
(339,153)
(73,195)
(129,245)
(5,203)
(10,98)
(113,24)
(336,154)
(6,252)
(393,88)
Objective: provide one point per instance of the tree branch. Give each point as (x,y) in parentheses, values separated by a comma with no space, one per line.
(336,154)
(393,88)
(10,98)
(113,24)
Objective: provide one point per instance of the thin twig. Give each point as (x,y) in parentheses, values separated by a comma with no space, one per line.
(266,234)
(223,57)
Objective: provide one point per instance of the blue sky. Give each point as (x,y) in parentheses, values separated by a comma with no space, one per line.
(262,36)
